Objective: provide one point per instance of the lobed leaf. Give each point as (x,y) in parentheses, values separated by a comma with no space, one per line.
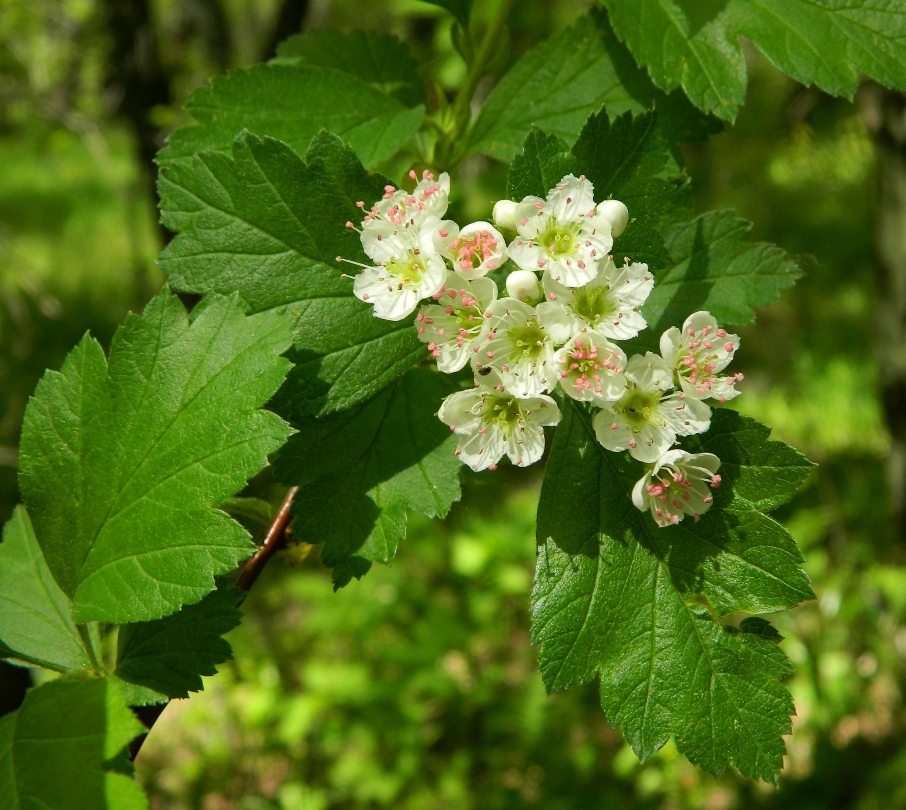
(559,83)
(269,225)
(168,656)
(123,463)
(64,749)
(829,43)
(362,86)
(36,623)
(360,471)
(618,597)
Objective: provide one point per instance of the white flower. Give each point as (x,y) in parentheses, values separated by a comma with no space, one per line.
(523,284)
(616,213)
(451,326)
(563,235)
(609,303)
(677,486)
(491,422)
(412,272)
(647,419)
(475,250)
(697,353)
(504,215)
(591,369)
(518,342)
(400,210)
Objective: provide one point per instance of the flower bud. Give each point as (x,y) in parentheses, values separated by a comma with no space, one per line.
(523,285)
(616,214)
(505,214)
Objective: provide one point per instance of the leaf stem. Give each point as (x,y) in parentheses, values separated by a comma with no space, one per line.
(460,112)
(87,642)
(273,541)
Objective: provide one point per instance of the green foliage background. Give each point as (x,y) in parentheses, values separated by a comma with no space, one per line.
(417,687)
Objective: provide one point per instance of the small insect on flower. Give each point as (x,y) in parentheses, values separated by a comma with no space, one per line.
(679,484)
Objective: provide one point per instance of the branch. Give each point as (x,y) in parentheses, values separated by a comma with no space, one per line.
(273,541)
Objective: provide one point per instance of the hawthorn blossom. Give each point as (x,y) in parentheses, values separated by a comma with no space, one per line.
(474,251)
(518,342)
(609,303)
(523,284)
(399,210)
(491,422)
(504,215)
(413,270)
(678,485)
(451,326)
(591,369)
(697,353)
(616,213)
(648,417)
(563,235)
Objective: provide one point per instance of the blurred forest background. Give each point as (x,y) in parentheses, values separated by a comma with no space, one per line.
(416,688)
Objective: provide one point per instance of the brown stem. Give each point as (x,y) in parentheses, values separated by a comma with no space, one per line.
(272,543)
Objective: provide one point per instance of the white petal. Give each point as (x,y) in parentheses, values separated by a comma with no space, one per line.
(479,451)
(555,320)
(670,344)
(505,214)
(611,438)
(616,213)
(462,411)
(640,498)
(572,198)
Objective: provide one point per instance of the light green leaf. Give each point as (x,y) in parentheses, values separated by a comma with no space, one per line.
(169,656)
(35,615)
(360,470)
(380,60)
(714,266)
(362,87)
(562,81)
(618,597)
(59,751)
(829,43)
(123,464)
(270,226)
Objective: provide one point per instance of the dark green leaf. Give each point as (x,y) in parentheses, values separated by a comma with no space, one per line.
(35,615)
(829,43)
(618,597)
(170,655)
(359,471)
(558,84)
(542,163)
(270,226)
(380,60)
(122,465)
(57,752)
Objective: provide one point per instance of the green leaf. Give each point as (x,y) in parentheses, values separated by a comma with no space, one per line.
(35,615)
(618,597)
(169,656)
(58,751)
(359,471)
(828,43)
(292,99)
(562,81)
(380,60)
(123,464)
(460,9)
(270,226)
(625,159)
(714,266)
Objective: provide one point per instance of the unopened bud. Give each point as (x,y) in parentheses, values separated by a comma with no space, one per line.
(616,214)
(505,214)
(523,285)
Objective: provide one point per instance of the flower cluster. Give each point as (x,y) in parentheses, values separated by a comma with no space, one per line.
(565,308)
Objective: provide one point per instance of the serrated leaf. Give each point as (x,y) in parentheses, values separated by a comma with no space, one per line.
(59,750)
(270,226)
(380,60)
(714,266)
(562,81)
(361,470)
(542,163)
(123,463)
(828,43)
(169,656)
(619,597)
(327,84)
(36,623)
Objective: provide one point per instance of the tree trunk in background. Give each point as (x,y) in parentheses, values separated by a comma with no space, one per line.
(289,21)
(885,113)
